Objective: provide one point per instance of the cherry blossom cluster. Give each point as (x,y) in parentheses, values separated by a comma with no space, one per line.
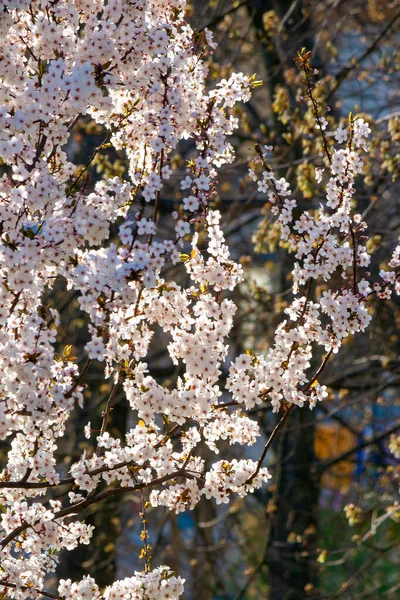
(135,68)
(327,246)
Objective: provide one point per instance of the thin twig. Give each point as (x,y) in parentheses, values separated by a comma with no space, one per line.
(271,438)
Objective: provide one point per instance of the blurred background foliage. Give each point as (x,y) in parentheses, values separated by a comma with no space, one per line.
(326,527)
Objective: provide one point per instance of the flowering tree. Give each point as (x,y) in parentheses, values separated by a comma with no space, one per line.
(137,69)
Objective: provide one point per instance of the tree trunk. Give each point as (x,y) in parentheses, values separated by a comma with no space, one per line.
(292,537)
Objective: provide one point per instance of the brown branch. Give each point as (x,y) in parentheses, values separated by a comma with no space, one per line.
(330,414)
(31,485)
(14,302)
(78,379)
(353,237)
(26,588)
(39,149)
(349,68)
(220,18)
(271,438)
(319,370)
(328,464)
(110,403)
(317,116)
(79,506)
(353,579)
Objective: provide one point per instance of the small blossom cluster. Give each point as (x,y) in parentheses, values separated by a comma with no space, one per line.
(160,584)
(390,280)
